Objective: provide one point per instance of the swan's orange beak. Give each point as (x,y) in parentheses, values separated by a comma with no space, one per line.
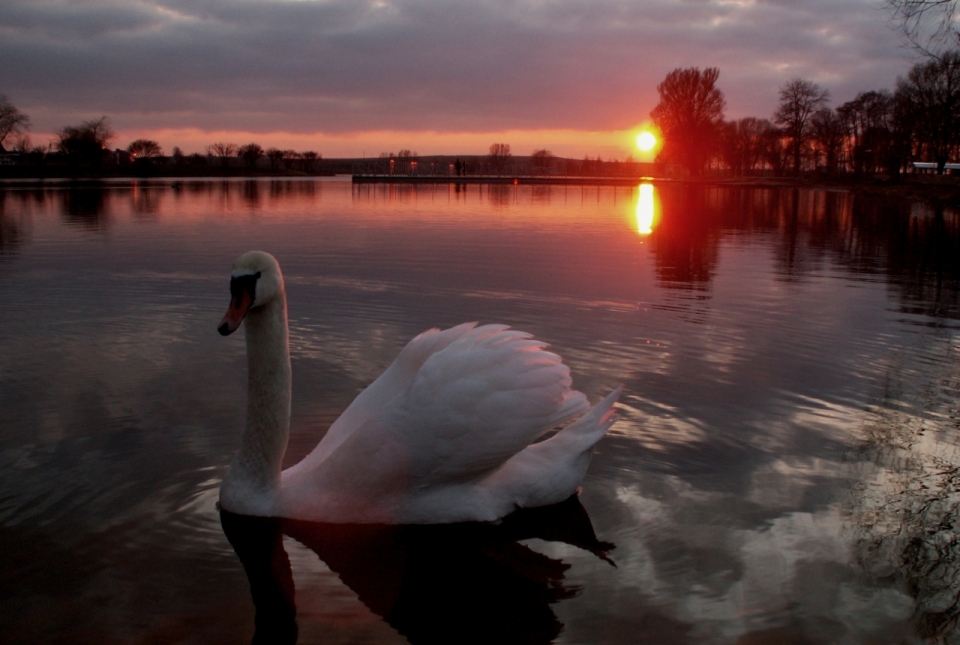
(239,305)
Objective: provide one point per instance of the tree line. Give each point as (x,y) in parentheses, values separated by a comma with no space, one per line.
(878,131)
(87,144)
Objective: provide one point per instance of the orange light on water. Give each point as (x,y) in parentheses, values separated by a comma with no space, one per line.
(646,209)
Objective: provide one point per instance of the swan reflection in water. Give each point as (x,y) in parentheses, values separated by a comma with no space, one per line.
(464,583)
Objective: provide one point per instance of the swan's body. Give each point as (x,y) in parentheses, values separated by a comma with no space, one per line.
(446,434)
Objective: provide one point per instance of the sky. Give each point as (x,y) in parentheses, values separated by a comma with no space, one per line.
(361,77)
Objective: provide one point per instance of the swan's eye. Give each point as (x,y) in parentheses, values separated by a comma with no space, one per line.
(243,285)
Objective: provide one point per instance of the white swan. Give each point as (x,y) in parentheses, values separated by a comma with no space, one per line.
(445,434)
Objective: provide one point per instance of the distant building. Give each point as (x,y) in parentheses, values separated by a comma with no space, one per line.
(8,158)
(926,167)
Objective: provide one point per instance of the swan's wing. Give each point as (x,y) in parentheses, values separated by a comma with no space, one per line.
(396,379)
(478,402)
(470,407)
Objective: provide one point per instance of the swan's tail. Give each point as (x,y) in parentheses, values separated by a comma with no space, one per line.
(592,426)
(551,471)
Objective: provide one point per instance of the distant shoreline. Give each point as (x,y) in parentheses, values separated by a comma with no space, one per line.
(940,190)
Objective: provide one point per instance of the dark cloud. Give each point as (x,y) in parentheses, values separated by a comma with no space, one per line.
(341,65)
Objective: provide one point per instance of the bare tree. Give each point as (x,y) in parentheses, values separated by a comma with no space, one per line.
(12,120)
(275,155)
(689,114)
(541,159)
(799,99)
(773,149)
(145,149)
(85,142)
(927,25)
(499,156)
(930,97)
(742,142)
(868,119)
(224,151)
(828,133)
(250,153)
(309,160)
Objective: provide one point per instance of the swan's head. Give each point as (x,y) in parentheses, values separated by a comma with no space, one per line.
(255,280)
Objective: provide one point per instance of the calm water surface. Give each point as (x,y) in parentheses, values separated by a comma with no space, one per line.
(785,468)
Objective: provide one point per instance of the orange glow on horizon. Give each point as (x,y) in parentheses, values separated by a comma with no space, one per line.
(570,143)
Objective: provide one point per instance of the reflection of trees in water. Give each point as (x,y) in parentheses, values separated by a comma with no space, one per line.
(916,249)
(540,195)
(251,194)
(687,240)
(85,206)
(9,230)
(146,200)
(906,502)
(457,583)
(284,189)
(501,195)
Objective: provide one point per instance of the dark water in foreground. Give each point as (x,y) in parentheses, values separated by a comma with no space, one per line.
(786,467)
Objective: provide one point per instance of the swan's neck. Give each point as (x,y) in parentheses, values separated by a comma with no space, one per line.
(255,471)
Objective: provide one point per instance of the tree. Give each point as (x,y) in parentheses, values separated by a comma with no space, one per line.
(930,97)
(309,160)
(799,99)
(145,149)
(741,144)
(928,25)
(250,153)
(541,160)
(689,115)
(868,119)
(499,156)
(224,151)
(828,132)
(86,142)
(773,149)
(12,120)
(275,155)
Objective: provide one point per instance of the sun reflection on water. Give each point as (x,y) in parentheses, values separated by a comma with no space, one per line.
(646,210)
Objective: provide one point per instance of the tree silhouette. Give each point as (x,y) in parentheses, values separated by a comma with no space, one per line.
(499,156)
(224,151)
(86,142)
(799,99)
(542,160)
(828,132)
(275,155)
(869,121)
(929,97)
(689,114)
(145,149)
(928,25)
(742,144)
(250,153)
(12,120)
(309,159)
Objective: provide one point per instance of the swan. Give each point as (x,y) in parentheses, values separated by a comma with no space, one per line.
(452,431)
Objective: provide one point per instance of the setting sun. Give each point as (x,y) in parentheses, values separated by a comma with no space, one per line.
(646,141)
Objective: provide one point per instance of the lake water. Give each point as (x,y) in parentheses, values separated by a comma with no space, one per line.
(785,467)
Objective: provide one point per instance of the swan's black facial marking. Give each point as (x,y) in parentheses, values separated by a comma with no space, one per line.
(243,285)
(243,293)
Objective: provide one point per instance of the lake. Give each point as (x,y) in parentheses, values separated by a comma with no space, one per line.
(786,466)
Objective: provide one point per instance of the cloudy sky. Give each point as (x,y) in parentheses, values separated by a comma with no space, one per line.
(359,77)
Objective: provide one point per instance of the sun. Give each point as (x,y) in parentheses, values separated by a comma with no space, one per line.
(646,141)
